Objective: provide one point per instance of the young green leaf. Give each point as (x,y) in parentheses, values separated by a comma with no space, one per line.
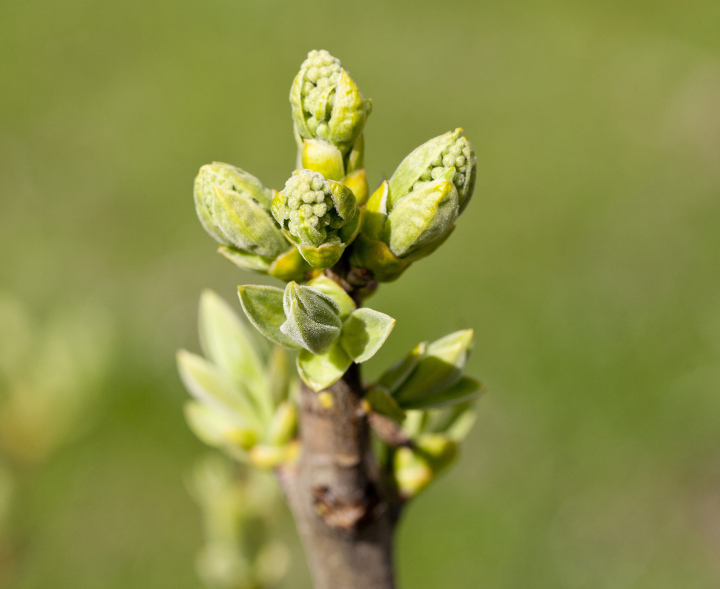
(440,367)
(399,372)
(215,428)
(320,371)
(454,421)
(364,332)
(278,374)
(283,426)
(227,343)
(383,403)
(465,389)
(245,260)
(263,306)
(210,386)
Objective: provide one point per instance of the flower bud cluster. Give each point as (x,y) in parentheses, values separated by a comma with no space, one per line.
(309,209)
(458,155)
(326,103)
(318,90)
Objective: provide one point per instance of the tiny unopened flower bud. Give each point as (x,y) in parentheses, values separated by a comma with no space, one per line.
(326,103)
(320,216)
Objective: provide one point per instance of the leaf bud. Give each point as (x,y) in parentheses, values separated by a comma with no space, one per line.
(312,318)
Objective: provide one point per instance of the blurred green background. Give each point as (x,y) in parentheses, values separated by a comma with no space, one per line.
(588,264)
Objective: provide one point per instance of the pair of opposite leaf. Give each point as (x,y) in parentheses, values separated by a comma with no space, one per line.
(322,321)
(427,393)
(322,210)
(242,395)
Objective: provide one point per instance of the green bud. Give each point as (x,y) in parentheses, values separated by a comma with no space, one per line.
(326,103)
(323,157)
(421,218)
(437,450)
(412,473)
(336,293)
(416,468)
(448,156)
(410,216)
(312,318)
(234,208)
(320,216)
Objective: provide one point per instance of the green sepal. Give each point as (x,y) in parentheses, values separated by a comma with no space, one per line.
(466,191)
(429,247)
(321,371)
(312,318)
(357,182)
(351,229)
(463,390)
(324,256)
(440,367)
(336,292)
(421,217)
(383,403)
(355,160)
(375,256)
(229,346)
(416,163)
(289,266)
(245,224)
(364,333)
(320,156)
(263,306)
(296,104)
(376,212)
(246,260)
(344,200)
(349,113)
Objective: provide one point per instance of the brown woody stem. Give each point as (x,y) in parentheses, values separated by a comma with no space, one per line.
(343,516)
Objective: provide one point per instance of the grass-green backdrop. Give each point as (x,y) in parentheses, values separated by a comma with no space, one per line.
(588,263)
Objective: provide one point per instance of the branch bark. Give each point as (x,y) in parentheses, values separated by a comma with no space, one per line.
(343,514)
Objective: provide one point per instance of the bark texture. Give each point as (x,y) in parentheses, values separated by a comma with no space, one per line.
(343,514)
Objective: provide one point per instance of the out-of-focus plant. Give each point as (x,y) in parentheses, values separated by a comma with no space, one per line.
(51,376)
(239,506)
(332,244)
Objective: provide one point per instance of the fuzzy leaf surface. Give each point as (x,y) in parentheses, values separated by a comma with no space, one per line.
(263,306)
(364,333)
